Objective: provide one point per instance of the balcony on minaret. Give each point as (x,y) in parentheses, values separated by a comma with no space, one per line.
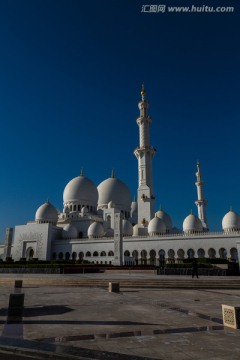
(146,149)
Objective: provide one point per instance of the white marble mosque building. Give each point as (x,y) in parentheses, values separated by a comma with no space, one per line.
(88,227)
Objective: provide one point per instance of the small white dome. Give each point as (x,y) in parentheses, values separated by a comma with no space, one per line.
(96,230)
(134,212)
(135,230)
(165,217)
(84,210)
(70,232)
(110,205)
(115,191)
(46,213)
(156,226)
(127,228)
(80,190)
(192,224)
(231,221)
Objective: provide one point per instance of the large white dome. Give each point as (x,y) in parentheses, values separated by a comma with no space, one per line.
(117,192)
(80,190)
(192,224)
(46,213)
(156,226)
(165,217)
(231,221)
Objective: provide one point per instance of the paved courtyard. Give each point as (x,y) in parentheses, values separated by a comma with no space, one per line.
(90,323)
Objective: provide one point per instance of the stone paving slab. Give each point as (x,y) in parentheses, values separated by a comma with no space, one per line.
(134,324)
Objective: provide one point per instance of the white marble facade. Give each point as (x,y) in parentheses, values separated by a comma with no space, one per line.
(86,227)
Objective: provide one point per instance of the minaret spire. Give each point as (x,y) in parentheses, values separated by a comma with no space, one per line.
(143,92)
(144,153)
(201,202)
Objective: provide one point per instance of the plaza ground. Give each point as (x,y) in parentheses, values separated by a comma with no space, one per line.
(82,322)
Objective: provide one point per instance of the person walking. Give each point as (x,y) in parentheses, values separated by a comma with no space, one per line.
(194,268)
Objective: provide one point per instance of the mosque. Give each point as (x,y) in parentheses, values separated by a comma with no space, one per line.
(103,225)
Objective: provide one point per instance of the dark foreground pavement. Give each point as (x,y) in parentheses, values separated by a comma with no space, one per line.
(90,323)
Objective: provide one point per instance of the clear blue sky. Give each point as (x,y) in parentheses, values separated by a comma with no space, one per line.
(71,73)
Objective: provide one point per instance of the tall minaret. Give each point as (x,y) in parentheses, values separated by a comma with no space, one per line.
(144,154)
(201,202)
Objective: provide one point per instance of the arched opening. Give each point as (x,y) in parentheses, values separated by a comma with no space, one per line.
(135,256)
(180,254)
(103,253)
(74,255)
(29,253)
(108,222)
(95,253)
(161,255)
(126,253)
(201,253)
(152,254)
(171,255)
(81,256)
(60,256)
(110,253)
(88,254)
(144,257)
(67,255)
(190,253)
(234,254)
(223,253)
(212,253)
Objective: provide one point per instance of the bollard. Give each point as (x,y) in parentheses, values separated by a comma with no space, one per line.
(18,284)
(113,287)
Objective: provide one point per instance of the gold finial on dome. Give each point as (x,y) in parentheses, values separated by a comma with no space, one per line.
(191,213)
(81,172)
(231,208)
(112,175)
(143,92)
(198,164)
